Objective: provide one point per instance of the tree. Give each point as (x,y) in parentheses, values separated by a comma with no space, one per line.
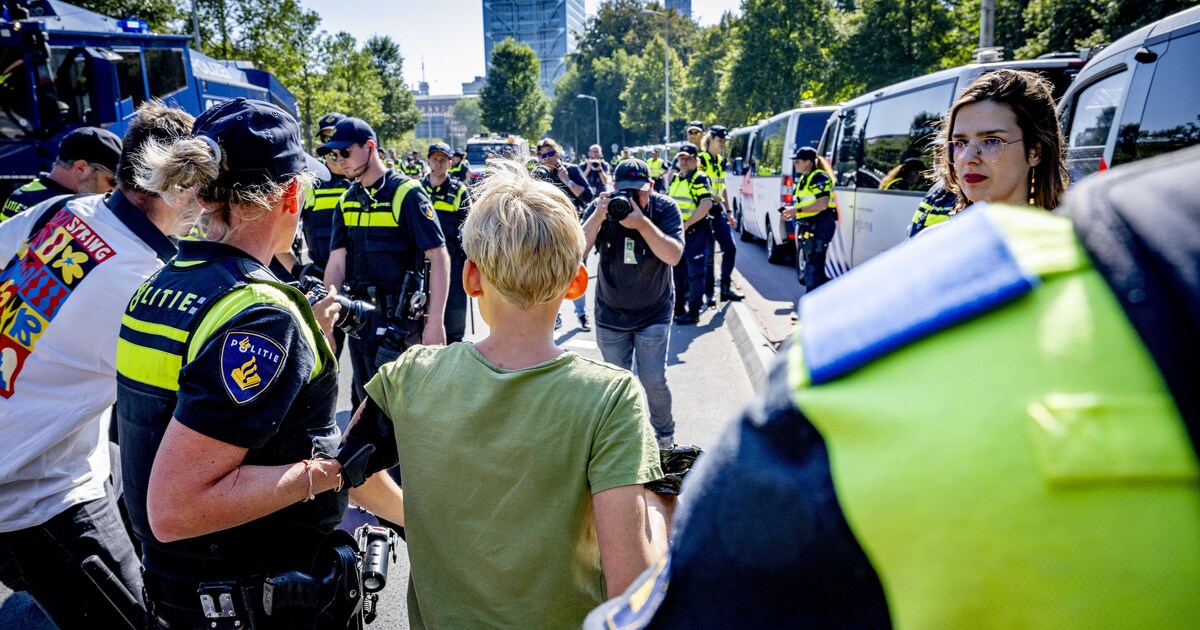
(708,74)
(467,114)
(888,41)
(642,116)
(159,14)
(511,101)
(400,114)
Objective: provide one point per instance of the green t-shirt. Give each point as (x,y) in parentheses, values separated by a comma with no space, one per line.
(499,470)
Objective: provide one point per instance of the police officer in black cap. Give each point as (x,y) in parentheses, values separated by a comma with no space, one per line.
(451,202)
(87,163)
(383,231)
(317,216)
(460,169)
(228,459)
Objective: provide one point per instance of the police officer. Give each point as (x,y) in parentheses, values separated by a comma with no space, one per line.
(692,191)
(1068,499)
(712,163)
(814,211)
(937,206)
(414,167)
(384,228)
(695,134)
(317,216)
(657,167)
(226,396)
(460,169)
(451,201)
(87,163)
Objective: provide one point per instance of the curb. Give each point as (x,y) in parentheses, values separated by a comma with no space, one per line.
(756,351)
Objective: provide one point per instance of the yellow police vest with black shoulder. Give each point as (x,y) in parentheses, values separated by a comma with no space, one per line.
(179,311)
(714,167)
(808,189)
(460,171)
(318,216)
(687,190)
(448,204)
(380,250)
(656,167)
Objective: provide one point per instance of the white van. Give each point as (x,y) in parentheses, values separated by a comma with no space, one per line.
(1137,98)
(763,183)
(737,160)
(871,135)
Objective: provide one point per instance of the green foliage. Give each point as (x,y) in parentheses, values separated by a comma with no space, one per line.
(706,90)
(160,14)
(1067,25)
(888,41)
(467,114)
(399,111)
(643,93)
(511,101)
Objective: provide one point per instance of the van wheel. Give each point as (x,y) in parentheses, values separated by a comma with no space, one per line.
(743,235)
(800,265)
(776,253)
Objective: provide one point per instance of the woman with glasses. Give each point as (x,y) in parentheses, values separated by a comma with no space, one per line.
(1001,143)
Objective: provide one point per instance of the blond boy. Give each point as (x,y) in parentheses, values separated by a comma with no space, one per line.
(523,463)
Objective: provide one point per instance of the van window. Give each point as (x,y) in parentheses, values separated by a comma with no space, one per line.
(737,149)
(900,128)
(1171,120)
(847,147)
(129,76)
(809,128)
(768,155)
(1092,122)
(167,74)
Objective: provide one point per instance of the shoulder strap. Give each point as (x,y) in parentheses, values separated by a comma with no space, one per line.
(401,192)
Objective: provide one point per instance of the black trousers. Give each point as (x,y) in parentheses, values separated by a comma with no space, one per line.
(816,248)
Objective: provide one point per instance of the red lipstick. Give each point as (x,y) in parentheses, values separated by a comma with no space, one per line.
(974,178)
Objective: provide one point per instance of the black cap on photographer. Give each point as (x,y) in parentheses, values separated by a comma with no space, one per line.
(632,174)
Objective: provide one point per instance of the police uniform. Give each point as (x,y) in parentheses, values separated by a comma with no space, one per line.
(451,202)
(461,171)
(819,226)
(689,192)
(220,344)
(936,207)
(414,168)
(1053,484)
(657,166)
(385,228)
(31,194)
(318,216)
(714,167)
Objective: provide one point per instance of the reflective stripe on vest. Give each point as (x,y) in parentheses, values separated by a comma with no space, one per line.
(375,216)
(441,205)
(712,166)
(805,195)
(683,192)
(324,198)
(656,167)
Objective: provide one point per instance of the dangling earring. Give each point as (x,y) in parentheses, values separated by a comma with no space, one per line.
(1032,182)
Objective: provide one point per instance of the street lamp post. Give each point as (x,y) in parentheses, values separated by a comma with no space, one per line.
(666,71)
(597,104)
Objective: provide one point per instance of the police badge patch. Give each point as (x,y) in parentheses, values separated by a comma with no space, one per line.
(427,209)
(249,364)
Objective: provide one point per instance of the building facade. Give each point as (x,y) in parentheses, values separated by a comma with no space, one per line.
(682,7)
(546,26)
(436,121)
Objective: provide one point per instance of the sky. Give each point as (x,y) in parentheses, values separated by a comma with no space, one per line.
(446,34)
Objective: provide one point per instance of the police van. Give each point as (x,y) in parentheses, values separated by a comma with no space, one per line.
(737,157)
(766,182)
(62,67)
(1137,98)
(871,136)
(491,145)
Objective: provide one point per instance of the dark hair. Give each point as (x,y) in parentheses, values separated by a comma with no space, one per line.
(1031,97)
(153,120)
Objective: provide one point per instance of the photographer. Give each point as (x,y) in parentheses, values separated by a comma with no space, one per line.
(596,170)
(639,234)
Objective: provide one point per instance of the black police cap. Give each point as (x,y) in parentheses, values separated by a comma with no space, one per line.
(329,121)
(439,147)
(349,131)
(695,124)
(805,153)
(259,142)
(689,149)
(717,131)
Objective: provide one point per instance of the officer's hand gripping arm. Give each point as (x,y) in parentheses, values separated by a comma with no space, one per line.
(369,445)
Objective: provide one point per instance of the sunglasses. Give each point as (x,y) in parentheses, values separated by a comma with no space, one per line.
(549,154)
(104,170)
(340,153)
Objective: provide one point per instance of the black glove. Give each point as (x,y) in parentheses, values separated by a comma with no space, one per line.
(370,446)
(676,463)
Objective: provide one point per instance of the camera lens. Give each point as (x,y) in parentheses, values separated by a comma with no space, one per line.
(619,206)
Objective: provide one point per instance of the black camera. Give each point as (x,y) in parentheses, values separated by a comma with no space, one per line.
(597,165)
(620,204)
(353,315)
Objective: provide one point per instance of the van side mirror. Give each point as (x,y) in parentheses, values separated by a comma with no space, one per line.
(737,166)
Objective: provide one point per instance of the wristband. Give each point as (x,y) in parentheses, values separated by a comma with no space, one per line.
(308,466)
